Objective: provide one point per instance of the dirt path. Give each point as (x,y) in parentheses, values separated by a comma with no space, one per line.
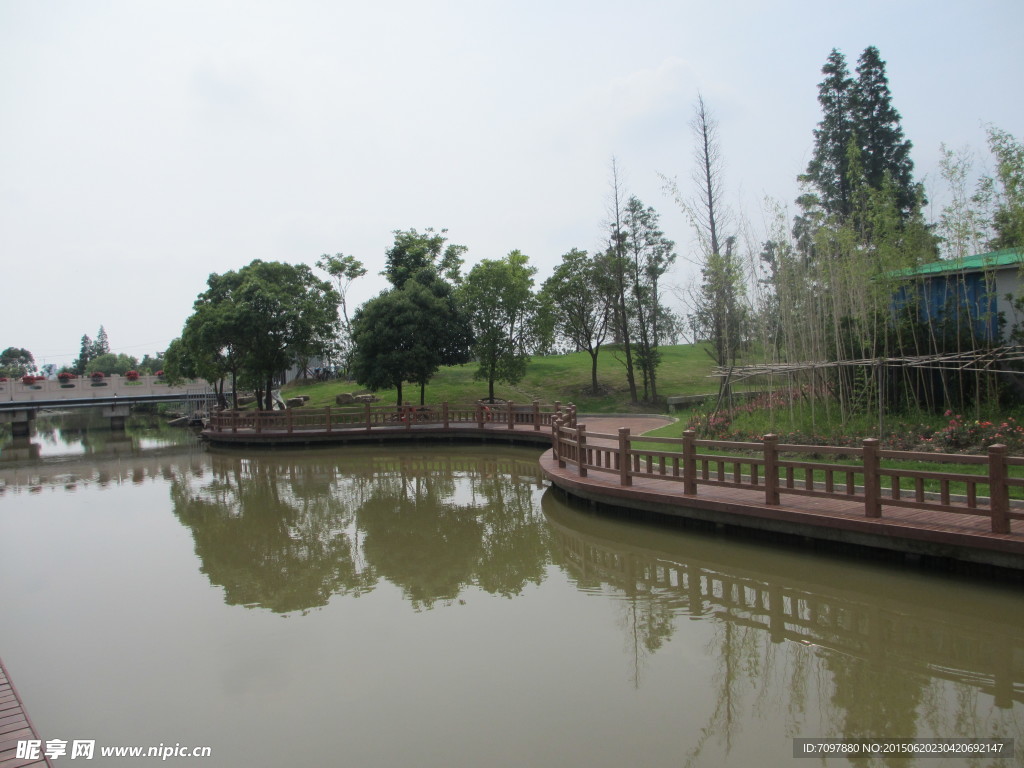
(638,425)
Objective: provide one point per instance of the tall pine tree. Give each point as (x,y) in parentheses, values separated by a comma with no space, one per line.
(827,172)
(876,123)
(859,141)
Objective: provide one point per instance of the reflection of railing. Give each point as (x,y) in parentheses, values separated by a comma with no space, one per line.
(963,645)
(376,417)
(768,467)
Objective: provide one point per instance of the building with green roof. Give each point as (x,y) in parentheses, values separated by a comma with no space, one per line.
(984,285)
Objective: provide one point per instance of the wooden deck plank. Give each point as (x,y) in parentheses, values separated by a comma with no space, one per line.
(15,726)
(966,537)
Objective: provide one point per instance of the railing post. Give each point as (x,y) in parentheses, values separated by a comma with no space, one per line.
(366,410)
(771,469)
(291,419)
(327,413)
(556,441)
(624,477)
(480,409)
(689,463)
(581,448)
(511,416)
(998,492)
(235,418)
(259,422)
(444,413)
(872,478)
(406,410)
(536,415)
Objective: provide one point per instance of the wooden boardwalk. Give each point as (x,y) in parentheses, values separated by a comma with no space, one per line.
(917,532)
(15,726)
(905,519)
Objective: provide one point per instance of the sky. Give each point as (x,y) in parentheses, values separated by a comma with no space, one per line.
(145,145)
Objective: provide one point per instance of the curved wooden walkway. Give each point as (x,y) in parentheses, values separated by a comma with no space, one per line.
(15,726)
(915,532)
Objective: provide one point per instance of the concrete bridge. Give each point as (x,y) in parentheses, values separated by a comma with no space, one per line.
(20,401)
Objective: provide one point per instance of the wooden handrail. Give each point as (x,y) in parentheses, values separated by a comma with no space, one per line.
(682,460)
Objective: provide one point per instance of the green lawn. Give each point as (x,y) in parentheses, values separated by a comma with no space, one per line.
(564,378)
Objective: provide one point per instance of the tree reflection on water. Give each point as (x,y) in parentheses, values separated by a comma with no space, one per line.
(814,646)
(288,531)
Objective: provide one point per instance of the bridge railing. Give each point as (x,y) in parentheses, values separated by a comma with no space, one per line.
(370,417)
(776,469)
(88,387)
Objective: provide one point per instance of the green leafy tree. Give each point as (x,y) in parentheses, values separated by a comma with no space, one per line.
(649,254)
(16,362)
(207,349)
(343,269)
(150,364)
(1004,191)
(578,296)
(261,320)
(407,333)
(109,363)
(499,297)
(413,251)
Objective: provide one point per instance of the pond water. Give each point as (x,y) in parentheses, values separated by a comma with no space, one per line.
(439,605)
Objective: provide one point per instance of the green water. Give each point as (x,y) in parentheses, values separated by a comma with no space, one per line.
(438,605)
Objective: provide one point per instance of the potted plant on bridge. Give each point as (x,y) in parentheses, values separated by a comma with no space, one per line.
(132,376)
(66,379)
(97,379)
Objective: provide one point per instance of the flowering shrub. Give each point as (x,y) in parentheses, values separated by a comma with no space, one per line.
(132,375)
(957,435)
(960,433)
(30,379)
(98,375)
(66,376)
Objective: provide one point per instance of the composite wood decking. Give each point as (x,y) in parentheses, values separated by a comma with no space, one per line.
(946,536)
(15,726)
(917,532)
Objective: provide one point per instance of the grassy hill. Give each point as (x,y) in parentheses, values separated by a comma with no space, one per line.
(684,371)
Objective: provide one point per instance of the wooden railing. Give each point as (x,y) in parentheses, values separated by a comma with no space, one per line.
(774,469)
(370,417)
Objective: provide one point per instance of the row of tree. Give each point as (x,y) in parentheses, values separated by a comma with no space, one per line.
(823,286)
(251,325)
(817,288)
(95,356)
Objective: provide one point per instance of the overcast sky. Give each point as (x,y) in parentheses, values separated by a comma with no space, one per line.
(144,145)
